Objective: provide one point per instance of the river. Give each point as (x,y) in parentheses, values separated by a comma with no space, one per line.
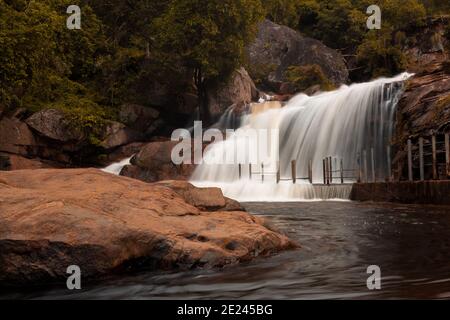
(410,244)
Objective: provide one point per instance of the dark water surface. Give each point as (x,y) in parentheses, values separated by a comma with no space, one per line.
(411,245)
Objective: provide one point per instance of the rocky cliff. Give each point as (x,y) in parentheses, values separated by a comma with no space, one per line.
(278,47)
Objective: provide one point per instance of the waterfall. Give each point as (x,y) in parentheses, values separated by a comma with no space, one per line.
(115,168)
(341,124)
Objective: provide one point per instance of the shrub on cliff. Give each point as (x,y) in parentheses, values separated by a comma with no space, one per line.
(304,77)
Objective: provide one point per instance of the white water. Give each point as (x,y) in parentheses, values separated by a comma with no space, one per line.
(338,124)
(115,168)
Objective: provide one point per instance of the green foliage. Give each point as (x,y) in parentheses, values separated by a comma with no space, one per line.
(38,54)
(379,57)
(341,24)
(208,35)
(436,7)
(285,12)
(304,77)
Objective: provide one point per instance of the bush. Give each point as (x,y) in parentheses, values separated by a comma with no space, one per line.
(304,77)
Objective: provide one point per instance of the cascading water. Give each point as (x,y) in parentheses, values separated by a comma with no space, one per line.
(339,124)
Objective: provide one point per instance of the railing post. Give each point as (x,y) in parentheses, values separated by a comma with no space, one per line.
(372,155)
(410,168)
(240,171)
(278,173)
(342,171)
(294,171)
(358,160)
(310,172)
(262,172)
(389,163)
(421,160)
(447,154)
(331,170)
(433,143)
(250,171)
(366,173)
(324,171)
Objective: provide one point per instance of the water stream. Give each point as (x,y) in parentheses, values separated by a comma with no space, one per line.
(339,241)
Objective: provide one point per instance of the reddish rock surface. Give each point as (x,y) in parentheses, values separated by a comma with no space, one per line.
(154,163)
(15,162)
(423,110)
(50,219)
(202,198)
(240,89)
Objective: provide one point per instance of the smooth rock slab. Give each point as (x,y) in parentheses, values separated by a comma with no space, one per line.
(50,219)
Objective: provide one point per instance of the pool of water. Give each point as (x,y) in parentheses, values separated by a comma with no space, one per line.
(410,244)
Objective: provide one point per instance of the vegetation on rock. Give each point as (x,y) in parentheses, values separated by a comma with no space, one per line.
(304,77)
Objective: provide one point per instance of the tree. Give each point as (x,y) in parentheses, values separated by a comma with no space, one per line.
(283,12)
(38,53)
(207,37)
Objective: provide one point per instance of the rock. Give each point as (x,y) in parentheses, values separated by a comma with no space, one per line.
(16,162)
(423,109)
(16,137)
(240,89)
(53,124)
(154,163)
(117,134)
(426,43)
(207,199)
(188,104)
(138,117)
(277,47)
(312,90)
(51,219)
(120,153)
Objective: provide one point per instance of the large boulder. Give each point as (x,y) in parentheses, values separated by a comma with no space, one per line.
(138,117)
(277,48)
(116,134)
(53,124)
(154,163)
(16,137)
(240,89)
(51,219)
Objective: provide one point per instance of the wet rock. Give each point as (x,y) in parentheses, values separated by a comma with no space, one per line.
(239,90)
(50,219)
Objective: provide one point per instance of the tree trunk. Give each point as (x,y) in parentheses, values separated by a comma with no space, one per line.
(203,103)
